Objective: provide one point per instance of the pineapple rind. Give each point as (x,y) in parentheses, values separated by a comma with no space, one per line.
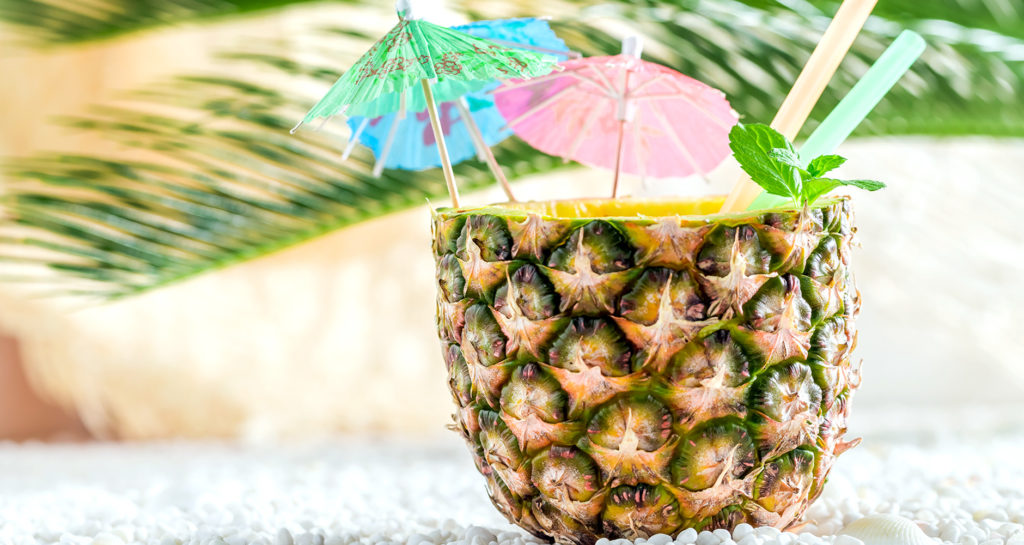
(625,376)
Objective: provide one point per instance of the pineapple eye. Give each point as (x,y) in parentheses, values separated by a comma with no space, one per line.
(566,475)
(592,342)
(482,338)
(644,423)
(714,455)
(603,247)
(533,392)
(642,510)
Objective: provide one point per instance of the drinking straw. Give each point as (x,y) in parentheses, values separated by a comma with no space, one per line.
(857,104)
(809,85)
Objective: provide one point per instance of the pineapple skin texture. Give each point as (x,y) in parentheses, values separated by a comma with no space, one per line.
(626,377)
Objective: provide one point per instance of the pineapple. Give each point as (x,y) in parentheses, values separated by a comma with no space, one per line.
(628,368)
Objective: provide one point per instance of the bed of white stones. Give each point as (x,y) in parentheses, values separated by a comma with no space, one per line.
(968,492)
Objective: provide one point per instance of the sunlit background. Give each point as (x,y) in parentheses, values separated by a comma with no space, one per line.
(307,307)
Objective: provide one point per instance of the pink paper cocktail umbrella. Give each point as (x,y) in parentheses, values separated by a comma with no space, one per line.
(622,113)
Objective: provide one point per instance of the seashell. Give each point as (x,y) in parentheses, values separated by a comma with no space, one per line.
(886,530)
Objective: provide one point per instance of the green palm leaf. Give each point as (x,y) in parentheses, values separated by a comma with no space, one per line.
(71,21)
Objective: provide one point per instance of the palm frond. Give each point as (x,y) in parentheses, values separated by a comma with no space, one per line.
(73,21)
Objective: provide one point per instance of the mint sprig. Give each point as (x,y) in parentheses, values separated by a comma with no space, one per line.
(772,163)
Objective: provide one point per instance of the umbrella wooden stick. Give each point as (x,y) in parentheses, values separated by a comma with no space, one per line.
(482,147)
(809,85)
(378,166)
(354,139)
(624,115)
(631,46)
(618,157)
(442,148)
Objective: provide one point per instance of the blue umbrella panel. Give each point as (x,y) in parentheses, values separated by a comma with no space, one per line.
(404,140)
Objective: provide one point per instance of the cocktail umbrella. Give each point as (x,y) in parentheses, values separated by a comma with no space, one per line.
(417,52)
(471,124)
(623,113)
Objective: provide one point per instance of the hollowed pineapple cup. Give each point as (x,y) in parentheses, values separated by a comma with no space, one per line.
(629,368)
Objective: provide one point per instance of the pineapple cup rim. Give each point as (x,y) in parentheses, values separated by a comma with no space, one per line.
(583,209)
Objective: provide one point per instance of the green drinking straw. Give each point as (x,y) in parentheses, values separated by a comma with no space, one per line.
(856,105)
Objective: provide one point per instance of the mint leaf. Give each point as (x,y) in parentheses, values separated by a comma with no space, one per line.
(824,163)
(819,186)
(752,145)
(772,163)
(786,156)
(789,157)
(870,185)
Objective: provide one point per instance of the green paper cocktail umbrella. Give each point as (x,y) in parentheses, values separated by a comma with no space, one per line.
(417,64)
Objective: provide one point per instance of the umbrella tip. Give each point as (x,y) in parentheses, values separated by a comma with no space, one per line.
(633,46)
(404,9)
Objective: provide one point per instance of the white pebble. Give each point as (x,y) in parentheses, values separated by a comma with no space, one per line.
(750,539)
(687,537)
(284,537)
(722,534)
(484,534)
(660,539)
(107,538)
(968,540)
(708,538)
(785,538)
(741,531)
(847,540)
(1010,528)
(950,533)
(416,539)
(977,533)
